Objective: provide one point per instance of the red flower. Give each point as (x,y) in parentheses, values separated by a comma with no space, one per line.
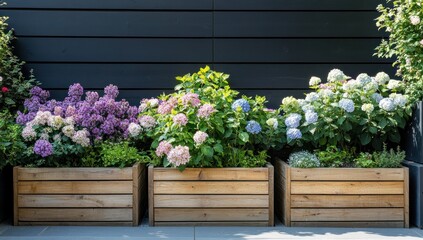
(4,89)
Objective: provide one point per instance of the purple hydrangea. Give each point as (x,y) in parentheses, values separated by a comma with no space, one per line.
(43,148)
(242,104)
(253,127)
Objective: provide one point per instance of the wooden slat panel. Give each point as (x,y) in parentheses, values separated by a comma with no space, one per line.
(151,217)
(74,214)
(211,174)
(337,201)
(52,201)
(209,187)
(296,24)
(271,195)
(35,174)
(211,201)
(100,23)
(75,187)
(406,198)
(114,224)
(136,187)
(295,5)
(350,224)
(296,50)
(222,224)
(366,214)
(112,4)
(317,187)
(114,50)
(187,214)
(348,174)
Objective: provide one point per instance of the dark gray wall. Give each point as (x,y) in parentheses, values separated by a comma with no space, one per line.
(270,47)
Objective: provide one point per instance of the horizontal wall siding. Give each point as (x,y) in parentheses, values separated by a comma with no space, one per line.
(269,47)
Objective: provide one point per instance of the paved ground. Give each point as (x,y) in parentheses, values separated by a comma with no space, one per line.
(144,232)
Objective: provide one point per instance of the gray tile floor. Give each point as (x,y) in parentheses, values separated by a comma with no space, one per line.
(144,232)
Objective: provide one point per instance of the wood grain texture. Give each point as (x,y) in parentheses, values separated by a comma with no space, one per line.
(215,224)
(68,174)
(151,216)
(211,174)
(341,214)
(346,201)
(271,195)
(347,174)
(75,201)
(75,214)
(379,224)
(75,187)
(211,201)
(210,187)
(347,188)
(204,214)
(406,198)
(69,223)
(136,171)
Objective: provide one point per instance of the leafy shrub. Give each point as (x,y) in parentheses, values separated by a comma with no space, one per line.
(303,159)
(381,159)
(334,157)
(119,154)
(402,19)
(11,142)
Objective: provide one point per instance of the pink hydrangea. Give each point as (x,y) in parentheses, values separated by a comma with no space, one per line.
(28,133)
(205,111)
(179,155)
(200,137)
(163,148)
(180,119)
(191,99)
(147,121)
(134,129)
(81,137)
(165,108)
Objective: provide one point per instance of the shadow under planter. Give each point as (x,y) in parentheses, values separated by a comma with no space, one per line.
(341,197)
(211,196)
(80,196)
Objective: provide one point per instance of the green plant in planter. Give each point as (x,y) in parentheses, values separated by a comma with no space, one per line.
(402,19)
(334,157)
(11,142)
(362,113)
(303,159)
(382,159)
(203,124)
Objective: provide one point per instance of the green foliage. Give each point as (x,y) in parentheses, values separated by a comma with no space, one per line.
(118,155)
(334,157)
(402,19)
(11,142)
(381,159)
(14,86)
(303,159)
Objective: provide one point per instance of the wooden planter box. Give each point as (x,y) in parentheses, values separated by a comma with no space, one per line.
(341,197)
(79,196)
(211,196)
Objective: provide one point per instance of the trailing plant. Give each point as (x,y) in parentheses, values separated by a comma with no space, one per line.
(303,159)
(402,19)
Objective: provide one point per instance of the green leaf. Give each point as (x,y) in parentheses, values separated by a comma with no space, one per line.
(218,148)
(395,137)
(244,137)
(207,151)
(373,130)
(365,139)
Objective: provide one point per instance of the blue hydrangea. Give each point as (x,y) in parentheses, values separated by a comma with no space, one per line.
(307,108)
(241,103)
(377,97)
(311,97)
(347,105)
(311,117)
(253,127)
(293,133)
(293,120)
(387,104)
(364,78)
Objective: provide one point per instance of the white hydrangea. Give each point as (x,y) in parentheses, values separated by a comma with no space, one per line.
(154,102)
(347,105)
(41,118)
(387,104)
(399,99)
(311,97)
(272,122)
(28,133)
(371,86)
(134,129)
(394,84)
(307,108)
(415,20)
(351,85)
(68,131)
(314,81)
(382,78)
(55,122)
(69,121)
(302,102)
(336,75)
(367,107)
(363,78)
(326,93)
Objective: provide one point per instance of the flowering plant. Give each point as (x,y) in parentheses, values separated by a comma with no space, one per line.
(14,86)
(11,142)
(403,19)
(348,113)
(204,125)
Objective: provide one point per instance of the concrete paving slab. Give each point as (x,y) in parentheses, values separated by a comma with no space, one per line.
(23,231)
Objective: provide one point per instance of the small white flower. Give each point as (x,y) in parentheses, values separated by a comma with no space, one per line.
(415,20)
(382,78)
(272,122)
(1,79)
(394,84)
(311,97)
(363,78)
(368,108)
(154,102)
(336,75)
(326,93)
(387,104)
(314,81)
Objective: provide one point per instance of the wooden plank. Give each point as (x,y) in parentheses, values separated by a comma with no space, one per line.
(271,195)
(215,224)
(37,174)
(348,188)
(75,187)
(112,4)
(349,214)
(188,214)
(99,23)
(136,170)
(211,174)
(406,198)
(295,24)
(347,174)
(287,196)
(83,50)
(75,214)
(211,187)
(315,5)
(151,217)
(346,201)
(296,51)
(379,224)
(78,201)
(211,201)
(15,196)
(114,224)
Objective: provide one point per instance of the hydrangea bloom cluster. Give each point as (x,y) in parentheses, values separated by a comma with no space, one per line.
(163,148)
(191,99)
(180,119)
(200,137)
(179,156)
(293,133)
(253,127)
(43,148)
(336,75)
(303,159)
(293,120)
(147,122)
(241,104)
(272,122)
(205,111)
(347,105)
